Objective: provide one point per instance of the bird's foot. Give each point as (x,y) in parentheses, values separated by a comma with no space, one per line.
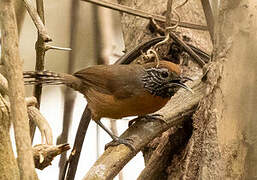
(117,141)
(147,118)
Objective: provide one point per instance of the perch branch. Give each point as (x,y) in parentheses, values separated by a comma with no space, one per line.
(37,21)
(115,158)
(13,65)
(143,14)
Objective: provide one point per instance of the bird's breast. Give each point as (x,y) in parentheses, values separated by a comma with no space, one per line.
(106,105)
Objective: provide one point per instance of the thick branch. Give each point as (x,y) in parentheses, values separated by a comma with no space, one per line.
(115,158)
(13,65)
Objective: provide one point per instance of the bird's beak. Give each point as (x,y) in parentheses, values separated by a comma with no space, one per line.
(181,83)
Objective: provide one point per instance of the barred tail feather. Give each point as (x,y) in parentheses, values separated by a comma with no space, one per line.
(43,77)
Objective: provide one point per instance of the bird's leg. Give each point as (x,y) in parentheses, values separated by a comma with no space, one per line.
(116,140)
(147,118)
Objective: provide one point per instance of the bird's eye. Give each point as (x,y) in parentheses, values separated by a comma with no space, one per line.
(164,74)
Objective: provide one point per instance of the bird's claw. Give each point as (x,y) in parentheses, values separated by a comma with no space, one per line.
(152,117)
(128,142)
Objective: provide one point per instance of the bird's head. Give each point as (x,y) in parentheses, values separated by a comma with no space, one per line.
(165,79)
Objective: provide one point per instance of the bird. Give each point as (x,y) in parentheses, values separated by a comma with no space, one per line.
(118,91)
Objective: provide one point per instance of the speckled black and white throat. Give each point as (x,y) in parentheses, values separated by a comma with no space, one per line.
(157,82)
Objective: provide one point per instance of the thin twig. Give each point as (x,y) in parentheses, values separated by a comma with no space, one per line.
(14,71)
(144,14)
(37,21)
(137,51)
(47,47)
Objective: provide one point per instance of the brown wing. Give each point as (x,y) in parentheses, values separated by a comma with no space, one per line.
(122,81)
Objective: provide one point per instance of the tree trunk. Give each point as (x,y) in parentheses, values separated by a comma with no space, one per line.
(14,69)
(223,144)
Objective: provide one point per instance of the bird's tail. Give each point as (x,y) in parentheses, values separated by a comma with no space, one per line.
(43,77)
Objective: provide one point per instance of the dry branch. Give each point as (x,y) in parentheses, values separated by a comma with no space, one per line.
(14,70)
(40,52)
(40,55)
(37,21)
(42,124)
(44,154)
(115,158)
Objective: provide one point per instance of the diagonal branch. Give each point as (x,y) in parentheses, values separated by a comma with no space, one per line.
(143,14)
(37,21)
(209,16)
(115,158)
